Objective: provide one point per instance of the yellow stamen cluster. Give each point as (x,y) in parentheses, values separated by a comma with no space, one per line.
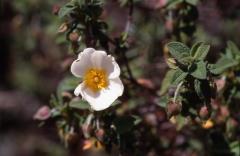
(95,79)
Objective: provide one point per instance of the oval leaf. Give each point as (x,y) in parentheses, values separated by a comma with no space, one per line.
(179,51)
(178,76)
(200,71)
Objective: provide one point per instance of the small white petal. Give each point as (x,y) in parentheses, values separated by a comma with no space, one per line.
(104,98)
(86,51)
(79,89)
(111,66)
(83,63)
(100,59)
(97,58)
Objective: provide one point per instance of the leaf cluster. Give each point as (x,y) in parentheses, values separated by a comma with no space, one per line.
(190,69)
(189,61)
(230,59)
(83,17)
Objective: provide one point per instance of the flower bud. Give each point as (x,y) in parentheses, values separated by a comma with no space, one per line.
(224,111)
(220,84)
(74,36)
(173,108)
(204,113)
(155,4)
(100,134)
(146,83)
(55,9)
(169,25)
(42,113)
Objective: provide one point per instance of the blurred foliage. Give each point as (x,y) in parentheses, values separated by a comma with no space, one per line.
(190,109)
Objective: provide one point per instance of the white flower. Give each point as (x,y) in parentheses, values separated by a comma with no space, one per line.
(101,85)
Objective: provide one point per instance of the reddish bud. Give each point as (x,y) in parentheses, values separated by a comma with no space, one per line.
(169,25)
(42,113)
(155,4)
(173,108)
(220,83)
(100,134)
(224,111)
(55,9)
(74,36)
(204,113)
(146,83)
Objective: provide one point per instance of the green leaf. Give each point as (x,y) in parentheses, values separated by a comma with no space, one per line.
(55,112)
(233,48)
(178,76)
(79,104)
(195,144)
(67,84)
(194,48)
(162,101)
(80,2)
(137,119)
(54,101)
(179,51)
(181,121)
(222,64)
(237,95)
(66,9)
(186,60)
(167,81)
(200,51)
(123,2)
(200,71)
(229,54)
(193,2)
(235,147)
(197,87)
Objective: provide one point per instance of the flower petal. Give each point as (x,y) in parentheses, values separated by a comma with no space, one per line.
(100,59)
(104,98)
(86,51)
(111,66)
(83,62)
(78,89)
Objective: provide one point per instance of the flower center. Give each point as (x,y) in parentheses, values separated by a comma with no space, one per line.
(95,79)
